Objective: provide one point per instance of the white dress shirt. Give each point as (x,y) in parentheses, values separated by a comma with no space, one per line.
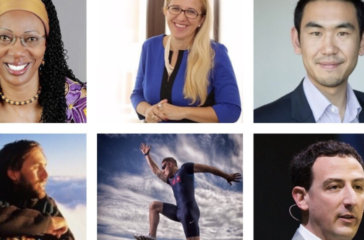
(324,111)
(306,234)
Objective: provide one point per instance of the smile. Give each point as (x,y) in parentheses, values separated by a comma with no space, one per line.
(180,25)
(17,69)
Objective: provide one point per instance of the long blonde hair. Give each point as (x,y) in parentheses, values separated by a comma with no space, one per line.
(200,59)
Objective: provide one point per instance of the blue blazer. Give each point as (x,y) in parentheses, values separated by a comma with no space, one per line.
(223,92)
(294,108)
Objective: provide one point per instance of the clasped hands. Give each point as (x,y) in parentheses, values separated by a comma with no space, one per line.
(58,227)
(163,111)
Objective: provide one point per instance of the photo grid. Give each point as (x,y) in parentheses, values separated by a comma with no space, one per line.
(111,176)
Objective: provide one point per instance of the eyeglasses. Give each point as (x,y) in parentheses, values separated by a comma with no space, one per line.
(30,39)
(189,13)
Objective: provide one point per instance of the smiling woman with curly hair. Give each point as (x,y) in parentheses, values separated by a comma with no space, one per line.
(36,84)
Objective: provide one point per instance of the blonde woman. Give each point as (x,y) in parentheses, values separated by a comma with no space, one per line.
(186,77)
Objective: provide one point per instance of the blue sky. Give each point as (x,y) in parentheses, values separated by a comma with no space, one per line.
(126,185)
(66,167)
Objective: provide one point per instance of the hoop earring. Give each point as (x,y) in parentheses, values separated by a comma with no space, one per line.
(290,213)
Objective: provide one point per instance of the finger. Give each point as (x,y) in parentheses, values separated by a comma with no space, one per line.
(160,115)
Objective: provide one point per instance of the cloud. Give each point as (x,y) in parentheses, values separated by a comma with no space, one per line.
(123,209)
(124,194)
(76,219)
(67,190)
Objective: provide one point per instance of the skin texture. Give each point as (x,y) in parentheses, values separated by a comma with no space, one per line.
(329,44)
(337,190)
(156,207)
(33,171)
(25,86)
(182,37)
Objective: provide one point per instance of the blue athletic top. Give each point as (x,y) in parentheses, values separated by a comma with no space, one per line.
(152,85)
(183,185)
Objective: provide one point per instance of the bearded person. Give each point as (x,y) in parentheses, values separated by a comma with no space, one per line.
(26,211)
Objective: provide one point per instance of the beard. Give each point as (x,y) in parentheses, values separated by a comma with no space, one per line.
(25,190)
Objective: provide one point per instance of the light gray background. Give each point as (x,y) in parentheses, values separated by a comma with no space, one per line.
(72,18)
(277,69)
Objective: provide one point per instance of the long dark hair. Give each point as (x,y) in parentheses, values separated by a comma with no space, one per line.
(12,156)
(52,74)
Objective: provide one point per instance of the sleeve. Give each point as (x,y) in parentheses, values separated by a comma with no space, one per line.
(56,213)
(227,98)
(76,99)
(137,95)
(15,221)
(188,167)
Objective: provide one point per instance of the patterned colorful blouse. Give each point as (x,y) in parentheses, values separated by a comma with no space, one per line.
(76,101)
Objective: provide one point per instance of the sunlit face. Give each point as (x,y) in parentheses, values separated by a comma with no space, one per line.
(33,173)
(336,197)
(181,27)
(329,42)
(18,64)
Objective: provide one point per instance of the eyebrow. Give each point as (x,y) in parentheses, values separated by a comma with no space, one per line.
(342,25)
(330,180)
(24,32)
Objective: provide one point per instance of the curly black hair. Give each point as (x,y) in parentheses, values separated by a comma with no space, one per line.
(52,74)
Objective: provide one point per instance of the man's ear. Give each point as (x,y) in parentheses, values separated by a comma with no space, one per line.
(13,175)
(361,47)
(299,195)
(295,41)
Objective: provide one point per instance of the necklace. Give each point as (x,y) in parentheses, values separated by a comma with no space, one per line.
(18,103)
(166,57)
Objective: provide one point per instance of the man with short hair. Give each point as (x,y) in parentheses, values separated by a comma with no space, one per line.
(26,212)
(182,182)
(329,34)
(328,179)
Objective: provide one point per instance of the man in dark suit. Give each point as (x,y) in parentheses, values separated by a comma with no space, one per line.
(328,180)
(330,36)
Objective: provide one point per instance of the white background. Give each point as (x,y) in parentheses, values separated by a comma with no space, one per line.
(242,27)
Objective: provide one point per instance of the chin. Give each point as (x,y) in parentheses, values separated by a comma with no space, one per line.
(331,81)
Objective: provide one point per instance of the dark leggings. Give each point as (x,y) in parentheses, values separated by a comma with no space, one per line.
(187,214)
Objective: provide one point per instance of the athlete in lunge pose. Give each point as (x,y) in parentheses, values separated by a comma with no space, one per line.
(182,183)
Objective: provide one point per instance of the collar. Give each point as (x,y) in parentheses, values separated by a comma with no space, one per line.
(306,234)
(319,103)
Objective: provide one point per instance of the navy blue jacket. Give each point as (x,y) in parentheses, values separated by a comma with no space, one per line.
(293,108)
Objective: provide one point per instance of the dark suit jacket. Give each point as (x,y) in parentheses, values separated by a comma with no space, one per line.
(294,108)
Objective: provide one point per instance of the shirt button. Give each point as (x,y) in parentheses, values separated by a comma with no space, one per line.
(333,109)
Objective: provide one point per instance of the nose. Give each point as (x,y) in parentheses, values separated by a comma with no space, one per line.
(43,174)
(350,197)
(329,46)
(182,15)
(17,49)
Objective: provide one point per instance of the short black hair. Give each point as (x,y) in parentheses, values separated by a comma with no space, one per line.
(12,156)
(301,165)
(170,159)
(300,7)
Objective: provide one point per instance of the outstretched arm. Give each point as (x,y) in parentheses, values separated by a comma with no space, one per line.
(235,177)
(145,149)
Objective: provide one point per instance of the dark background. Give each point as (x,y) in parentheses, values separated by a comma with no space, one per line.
(272,182)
